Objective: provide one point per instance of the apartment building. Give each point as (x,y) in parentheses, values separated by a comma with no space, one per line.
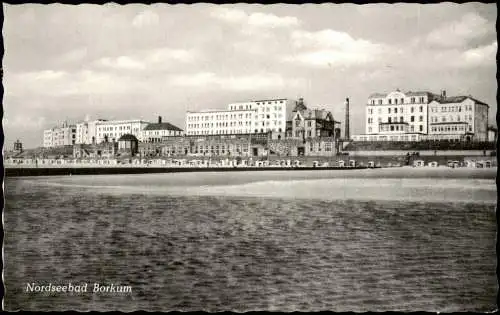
(458,118)
(423,115)
(112,130)
(241,118)
(62,135)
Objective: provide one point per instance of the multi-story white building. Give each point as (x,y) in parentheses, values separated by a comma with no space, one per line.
(59,136)
(416,116)
(241,118)
(86,131)
(458,118)
(112,130)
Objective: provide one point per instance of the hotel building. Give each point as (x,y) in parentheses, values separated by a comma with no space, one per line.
(416,116)
(112,130)
(59,136)
(158,132)
(458,118)
(241,118)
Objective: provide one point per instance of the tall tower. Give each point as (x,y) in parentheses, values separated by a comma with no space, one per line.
(346,134)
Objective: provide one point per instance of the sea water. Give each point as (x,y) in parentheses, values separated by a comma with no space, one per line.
(243,241)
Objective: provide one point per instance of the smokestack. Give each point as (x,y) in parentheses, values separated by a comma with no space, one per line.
(159,119)
(346,133)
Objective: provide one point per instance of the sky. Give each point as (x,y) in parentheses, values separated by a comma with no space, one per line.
(65,63)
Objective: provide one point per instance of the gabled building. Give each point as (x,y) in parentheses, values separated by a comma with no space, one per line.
(157,132)
(461,118)
(311,123)
(417,116)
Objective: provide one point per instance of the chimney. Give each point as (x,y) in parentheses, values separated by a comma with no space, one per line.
(159,119)
(443,94)
(346,133)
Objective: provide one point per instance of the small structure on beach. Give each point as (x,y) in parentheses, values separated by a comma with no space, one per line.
(128,145)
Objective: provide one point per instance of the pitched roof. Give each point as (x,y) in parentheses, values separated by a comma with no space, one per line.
(377,95)
(127,137)
(458,99)
(162,126)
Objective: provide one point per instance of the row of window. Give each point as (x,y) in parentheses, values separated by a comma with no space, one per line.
(450,109)
(411,100)
(115,128)
(395,110)
(384,128)
(229,132)
(249,106)
(458,118)
(395,119)
(450,128)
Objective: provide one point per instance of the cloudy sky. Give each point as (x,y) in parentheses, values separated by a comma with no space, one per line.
(121,62)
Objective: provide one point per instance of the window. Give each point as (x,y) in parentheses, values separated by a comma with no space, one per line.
(412,100)
(421,108)
(402,101)
(395,110)
(297,123)
(412,118)
(421,128)
(395,101)
(389,110)
(401,119)
(412,109)
(392,128)
(389,119)
(421,118)
(309,123)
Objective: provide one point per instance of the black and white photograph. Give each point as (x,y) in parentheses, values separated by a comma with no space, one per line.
(249,157)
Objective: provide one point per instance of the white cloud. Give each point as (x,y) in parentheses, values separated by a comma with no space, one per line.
(260,81)
(257,19)
(329,47)
(145,19)
(165,54)
(459,33)
(481,55)
(122,62)
(154,59)
(56,84)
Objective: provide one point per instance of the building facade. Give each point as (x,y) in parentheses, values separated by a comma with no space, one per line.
(112,130)
(59,136)
(241,118)
(458,118)
(312,123)
(158,132)
(418,116)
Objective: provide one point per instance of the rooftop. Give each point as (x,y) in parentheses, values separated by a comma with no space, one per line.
(162,126)
(128,137)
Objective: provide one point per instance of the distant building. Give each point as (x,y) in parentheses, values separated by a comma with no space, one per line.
(312,123)
(112,130)
(59,136)
(417,116)
(128,144)
(18,146)
(492,134)
(86,132)
(241,118)
(157,132)
(458,118)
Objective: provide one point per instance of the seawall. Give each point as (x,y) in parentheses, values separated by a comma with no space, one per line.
(66,171)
